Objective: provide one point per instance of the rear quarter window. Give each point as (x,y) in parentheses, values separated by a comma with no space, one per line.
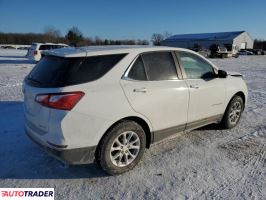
(54,71)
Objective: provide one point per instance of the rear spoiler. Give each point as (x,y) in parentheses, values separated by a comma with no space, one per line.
(65,52)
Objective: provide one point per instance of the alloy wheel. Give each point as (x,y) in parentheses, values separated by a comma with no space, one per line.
(125,148)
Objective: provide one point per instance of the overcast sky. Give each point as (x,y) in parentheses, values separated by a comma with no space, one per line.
(125,19)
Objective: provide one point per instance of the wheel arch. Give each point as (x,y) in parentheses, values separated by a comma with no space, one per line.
(239,93)
(242,95)
(224,121)
(138,120)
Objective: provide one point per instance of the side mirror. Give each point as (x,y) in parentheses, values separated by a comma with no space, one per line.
(222,74)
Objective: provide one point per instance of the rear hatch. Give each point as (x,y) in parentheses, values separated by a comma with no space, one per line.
(54,75)
(36,116)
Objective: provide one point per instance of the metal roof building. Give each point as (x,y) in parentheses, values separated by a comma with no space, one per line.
(236,39)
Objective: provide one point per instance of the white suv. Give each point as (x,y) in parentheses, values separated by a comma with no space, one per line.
(110,103)
(36,49)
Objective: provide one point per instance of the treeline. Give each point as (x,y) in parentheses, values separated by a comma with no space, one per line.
(28,38)
(74,37)
(260,44)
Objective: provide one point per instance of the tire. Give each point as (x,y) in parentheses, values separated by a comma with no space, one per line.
(114,148)
(233,112)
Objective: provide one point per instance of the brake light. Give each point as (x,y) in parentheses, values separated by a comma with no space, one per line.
(61,101)
(35,53)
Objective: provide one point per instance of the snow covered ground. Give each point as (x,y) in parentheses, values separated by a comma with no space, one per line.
(205,163)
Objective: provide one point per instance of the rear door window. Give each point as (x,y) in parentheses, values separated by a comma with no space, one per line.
(160,66)
(54,71)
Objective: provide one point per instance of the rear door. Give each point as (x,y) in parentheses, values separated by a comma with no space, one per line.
(207,91)
(155,89)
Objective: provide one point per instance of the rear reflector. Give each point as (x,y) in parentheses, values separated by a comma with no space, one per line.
(35,53)
(61,101)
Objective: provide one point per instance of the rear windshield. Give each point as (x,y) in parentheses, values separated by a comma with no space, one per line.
(54,71)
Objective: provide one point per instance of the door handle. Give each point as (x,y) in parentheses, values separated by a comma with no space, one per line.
(194,86)
(143,90)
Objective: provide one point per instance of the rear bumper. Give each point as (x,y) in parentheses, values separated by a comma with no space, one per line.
(33,58)
(76,156)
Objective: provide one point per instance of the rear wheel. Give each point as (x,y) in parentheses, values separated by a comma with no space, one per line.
(121,148)
(233,112)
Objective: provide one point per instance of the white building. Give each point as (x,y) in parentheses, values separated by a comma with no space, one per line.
(236,40)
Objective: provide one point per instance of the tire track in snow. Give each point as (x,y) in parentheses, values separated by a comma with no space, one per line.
(250,168)
(258,91)
(254,169)
(10,85)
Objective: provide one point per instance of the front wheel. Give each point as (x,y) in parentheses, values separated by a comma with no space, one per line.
(121,148)
(233,112)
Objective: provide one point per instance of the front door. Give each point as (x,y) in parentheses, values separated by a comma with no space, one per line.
(207,91)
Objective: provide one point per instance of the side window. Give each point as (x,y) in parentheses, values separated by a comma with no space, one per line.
(56,47)
(45,47)
(195,67)
(159,66)
(137,71)
(42,47)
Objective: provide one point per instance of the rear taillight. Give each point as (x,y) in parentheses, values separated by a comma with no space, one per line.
(35,53)
(62,101)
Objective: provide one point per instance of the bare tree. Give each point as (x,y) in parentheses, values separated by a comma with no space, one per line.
(157,38)
(52,34)
(98,40)
(74,36)
(50,30)
(166,35)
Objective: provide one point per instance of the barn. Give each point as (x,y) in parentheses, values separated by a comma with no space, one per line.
(231,40)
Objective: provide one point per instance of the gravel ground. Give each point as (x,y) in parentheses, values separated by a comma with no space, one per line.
(205,163)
